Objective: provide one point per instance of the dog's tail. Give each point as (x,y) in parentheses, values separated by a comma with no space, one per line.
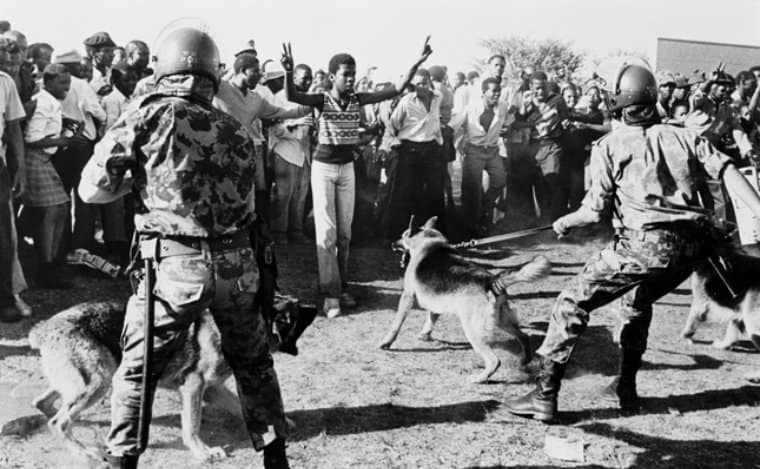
(536,269)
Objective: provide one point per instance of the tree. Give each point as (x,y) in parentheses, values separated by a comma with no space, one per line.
(541,54)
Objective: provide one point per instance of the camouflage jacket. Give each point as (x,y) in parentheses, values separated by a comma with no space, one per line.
(651,176)
(192,165)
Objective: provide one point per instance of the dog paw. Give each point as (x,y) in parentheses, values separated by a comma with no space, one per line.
(425,336)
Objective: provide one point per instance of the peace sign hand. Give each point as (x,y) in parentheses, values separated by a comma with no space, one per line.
(287,57)
(426,51)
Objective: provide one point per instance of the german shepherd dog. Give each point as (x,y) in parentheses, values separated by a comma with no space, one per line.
(712,300)
(80,352)
(444,282)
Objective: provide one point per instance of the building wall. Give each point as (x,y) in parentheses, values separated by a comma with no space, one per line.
(678,55)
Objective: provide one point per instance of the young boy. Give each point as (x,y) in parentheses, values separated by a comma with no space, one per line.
(332,173)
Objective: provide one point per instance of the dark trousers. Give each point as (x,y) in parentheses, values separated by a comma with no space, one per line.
(477,204)
(418,188)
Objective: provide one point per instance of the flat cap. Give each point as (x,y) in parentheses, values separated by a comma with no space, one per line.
(70,57)
(99,39)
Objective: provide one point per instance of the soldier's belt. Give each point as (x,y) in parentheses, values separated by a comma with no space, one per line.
(157,248)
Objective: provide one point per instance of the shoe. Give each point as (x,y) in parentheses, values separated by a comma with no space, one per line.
(300,320)
(22,306)
(331,308)
(121,462)
(541,403)
(347,300)
(274,455)
(9,312)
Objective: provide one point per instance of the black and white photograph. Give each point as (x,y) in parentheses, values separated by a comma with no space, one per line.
(411,234)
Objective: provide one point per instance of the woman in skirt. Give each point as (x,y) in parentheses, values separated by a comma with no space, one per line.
(45,199)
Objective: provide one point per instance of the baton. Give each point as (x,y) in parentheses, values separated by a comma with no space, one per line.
(145,395)
(499,238)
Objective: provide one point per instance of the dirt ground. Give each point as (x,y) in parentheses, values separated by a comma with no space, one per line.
(356,406)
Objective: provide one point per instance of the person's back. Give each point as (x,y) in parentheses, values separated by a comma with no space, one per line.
(654,172)
(195,179)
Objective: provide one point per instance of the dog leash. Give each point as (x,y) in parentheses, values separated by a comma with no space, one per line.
(499,238)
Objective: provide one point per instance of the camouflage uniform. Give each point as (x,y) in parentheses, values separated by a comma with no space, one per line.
(648,178)
(194,169)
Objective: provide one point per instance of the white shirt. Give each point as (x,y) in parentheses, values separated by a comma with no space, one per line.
(82,104)
(474,132)
(283,141)
(414,122)
(47,120)
(98,80)
(11,108)
(114,103)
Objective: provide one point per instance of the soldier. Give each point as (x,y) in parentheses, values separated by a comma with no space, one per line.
(645,173)
(193,167)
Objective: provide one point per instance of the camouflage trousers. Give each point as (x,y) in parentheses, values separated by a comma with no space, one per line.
(637,269)
(224,281)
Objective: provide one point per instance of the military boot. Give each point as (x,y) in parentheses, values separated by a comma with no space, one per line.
(274,455)
(541,403)
(122,462)
(624,388)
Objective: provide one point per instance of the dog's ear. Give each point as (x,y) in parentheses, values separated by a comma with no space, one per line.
(430,224)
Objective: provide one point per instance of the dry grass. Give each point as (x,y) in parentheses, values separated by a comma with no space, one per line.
(360,407)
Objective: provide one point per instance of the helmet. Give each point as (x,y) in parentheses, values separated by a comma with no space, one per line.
(188,50)
(627,81)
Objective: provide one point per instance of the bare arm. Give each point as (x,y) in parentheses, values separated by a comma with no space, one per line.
(306,99)
(398,88)
(15,155)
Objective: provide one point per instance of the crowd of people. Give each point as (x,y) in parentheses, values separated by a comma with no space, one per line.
(521,145)
(179,149)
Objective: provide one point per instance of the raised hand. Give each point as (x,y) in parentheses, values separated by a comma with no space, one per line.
(426,51)
(287,57)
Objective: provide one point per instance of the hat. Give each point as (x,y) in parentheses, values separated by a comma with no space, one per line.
(271,70)
(70,57)
(437,72)
(248,48)
(665,77)
(100,39)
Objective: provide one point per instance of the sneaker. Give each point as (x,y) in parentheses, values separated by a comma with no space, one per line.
(331,307)
(347,300)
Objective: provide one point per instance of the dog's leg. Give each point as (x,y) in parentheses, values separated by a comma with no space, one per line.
(44,402)
(734,332)
(509,323)
(475,333)
(700,305)
(72,405)
(427,328)
(404,305)
(191,393)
